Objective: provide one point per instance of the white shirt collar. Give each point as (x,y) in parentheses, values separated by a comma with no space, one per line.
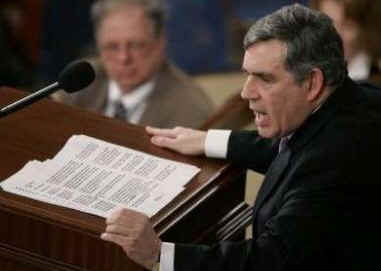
(134,97)
(135,101)
(359,67)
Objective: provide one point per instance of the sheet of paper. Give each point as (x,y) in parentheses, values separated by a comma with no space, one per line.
(97,177)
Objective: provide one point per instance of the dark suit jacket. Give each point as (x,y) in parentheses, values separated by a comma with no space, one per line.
(318,205)
(175,100)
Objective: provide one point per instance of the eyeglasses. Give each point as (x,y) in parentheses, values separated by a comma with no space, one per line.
(113,48)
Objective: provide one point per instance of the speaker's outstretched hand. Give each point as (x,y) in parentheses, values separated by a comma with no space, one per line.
(183,140)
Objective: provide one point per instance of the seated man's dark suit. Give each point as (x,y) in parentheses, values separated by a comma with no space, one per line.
(317,207)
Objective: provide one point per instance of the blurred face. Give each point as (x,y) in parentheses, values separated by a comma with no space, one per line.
(347,28)
(128,47)
(279,103)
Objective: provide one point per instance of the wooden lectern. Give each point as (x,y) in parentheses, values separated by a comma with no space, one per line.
(36,236)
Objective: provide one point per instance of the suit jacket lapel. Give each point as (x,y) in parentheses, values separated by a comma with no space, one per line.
(273,176)
(153,101)
(96,96)
(160,98)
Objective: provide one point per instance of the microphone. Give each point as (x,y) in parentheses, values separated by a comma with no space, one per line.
(75,76)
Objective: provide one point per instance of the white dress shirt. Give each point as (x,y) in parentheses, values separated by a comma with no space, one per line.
(134,101)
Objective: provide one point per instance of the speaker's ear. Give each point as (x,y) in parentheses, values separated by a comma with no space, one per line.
(315,85)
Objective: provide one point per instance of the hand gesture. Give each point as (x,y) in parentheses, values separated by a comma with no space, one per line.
(179,139)
(134,232)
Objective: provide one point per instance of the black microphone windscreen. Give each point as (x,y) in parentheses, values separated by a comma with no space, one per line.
(76,75)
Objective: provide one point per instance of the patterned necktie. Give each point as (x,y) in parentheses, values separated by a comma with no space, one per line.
(121,112)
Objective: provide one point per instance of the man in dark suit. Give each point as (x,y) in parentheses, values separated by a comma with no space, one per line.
(317,139)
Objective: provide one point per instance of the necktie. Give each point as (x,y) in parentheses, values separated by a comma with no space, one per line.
(120,111)
(283,143)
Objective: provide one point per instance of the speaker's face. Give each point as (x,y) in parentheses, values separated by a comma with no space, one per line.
(279,103)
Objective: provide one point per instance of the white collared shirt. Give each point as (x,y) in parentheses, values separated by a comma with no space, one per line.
(359,67)
(134,101)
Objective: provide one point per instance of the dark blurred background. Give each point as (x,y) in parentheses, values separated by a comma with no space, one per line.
(39,37)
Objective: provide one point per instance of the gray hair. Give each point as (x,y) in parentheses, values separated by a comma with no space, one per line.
(311,40)
(155,10)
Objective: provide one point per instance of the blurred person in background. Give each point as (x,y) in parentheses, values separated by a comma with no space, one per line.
(358,23)
(135,80)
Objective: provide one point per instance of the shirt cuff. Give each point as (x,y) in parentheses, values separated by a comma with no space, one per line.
(216,143)
(167,256)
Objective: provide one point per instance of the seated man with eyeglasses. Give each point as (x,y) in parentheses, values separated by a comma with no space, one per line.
(135,80)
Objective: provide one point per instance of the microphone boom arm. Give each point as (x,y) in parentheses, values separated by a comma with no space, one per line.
(28,99)
(74,77)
